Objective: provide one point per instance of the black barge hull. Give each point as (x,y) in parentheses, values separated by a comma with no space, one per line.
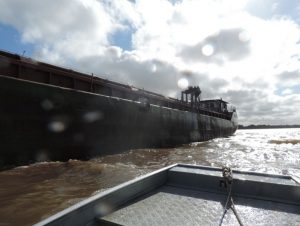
(42,121)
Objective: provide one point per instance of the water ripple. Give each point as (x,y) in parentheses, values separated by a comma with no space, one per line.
(53,186)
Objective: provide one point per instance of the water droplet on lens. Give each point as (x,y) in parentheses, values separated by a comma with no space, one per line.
(92,116)
(102,209)
(47,105)
(183,83)
(56,126)
(208,50)
(41,156)
(153,68)
(244,36)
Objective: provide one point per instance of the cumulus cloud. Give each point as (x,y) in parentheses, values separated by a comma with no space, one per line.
(237,50)
(152,75)
(289,78)
(63,29)
(226,45)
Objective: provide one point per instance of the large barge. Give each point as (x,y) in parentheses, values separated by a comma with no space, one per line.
(53,113)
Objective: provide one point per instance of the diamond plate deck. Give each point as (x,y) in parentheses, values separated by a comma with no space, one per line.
(177,206)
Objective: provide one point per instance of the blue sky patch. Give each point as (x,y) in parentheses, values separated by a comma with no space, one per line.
(11,41)
(122,38)
(294,90)
(175,1)
(269,8)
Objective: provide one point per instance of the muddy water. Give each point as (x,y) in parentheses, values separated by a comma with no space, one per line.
(31,193)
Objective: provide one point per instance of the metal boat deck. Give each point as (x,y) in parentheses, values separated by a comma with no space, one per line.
(190,195)
(170,205)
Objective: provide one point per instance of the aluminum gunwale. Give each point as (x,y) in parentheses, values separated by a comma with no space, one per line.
(89,200)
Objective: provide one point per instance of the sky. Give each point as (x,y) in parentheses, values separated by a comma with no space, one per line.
(246,52)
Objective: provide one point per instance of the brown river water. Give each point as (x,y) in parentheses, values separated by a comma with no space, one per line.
(31,193)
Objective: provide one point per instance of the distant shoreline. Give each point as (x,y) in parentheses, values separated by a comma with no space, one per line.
(269,126)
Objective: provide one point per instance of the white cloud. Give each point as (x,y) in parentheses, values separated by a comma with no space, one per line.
(225,47)
(68,28)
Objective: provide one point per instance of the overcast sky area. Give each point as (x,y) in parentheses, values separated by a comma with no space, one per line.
(245,51)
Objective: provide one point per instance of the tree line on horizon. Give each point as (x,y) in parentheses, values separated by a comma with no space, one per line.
(268,126)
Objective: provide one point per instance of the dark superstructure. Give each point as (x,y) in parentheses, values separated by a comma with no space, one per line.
(50,112)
